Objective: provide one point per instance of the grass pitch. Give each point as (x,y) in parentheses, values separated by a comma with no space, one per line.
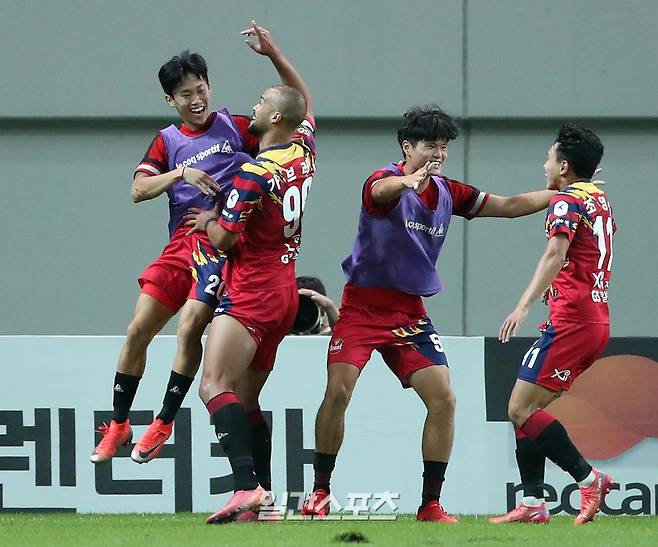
(190,529)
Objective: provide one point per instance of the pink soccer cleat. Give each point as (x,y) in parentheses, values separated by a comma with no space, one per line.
(241,503)
(254,515)
(152,441)
(114,436)
(592,497)
(523,513)
(247,516)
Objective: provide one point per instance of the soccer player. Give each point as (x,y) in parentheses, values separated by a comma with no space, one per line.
(194,164)
(575,272)
(260,227)
(405,215)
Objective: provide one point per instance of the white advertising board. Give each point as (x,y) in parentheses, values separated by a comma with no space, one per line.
(56,390)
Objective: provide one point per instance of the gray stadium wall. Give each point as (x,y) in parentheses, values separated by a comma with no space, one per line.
(81,103)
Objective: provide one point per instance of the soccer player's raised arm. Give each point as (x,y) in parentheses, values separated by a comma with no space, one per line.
(265,45)
(548,267)
(516,206)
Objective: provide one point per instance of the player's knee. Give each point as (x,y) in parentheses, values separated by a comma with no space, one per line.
(189,333)
(517,413)
(218,381)
(338,395)
(451,403)
(206,389)
(138,335)
(444,404)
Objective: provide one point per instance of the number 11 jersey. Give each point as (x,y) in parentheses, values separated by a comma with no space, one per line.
(579,293)
(265,206)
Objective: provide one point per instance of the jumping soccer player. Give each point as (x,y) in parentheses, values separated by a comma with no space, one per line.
(260,227)
(194,164)
(405,215)
(575,272)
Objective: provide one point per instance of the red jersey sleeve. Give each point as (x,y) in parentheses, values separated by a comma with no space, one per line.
(563,215)
(247,191)
(467,201)
(251,144)
(368,202)
(155,161)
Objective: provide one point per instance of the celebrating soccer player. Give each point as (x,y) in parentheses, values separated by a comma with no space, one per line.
(573,273)
(194,164)
(261,226)
(405,215)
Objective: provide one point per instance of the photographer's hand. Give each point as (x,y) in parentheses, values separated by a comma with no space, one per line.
(326,304)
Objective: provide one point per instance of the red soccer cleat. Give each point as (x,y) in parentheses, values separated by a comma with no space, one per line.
(433,512)
(152,441)
(317,504)
(592,497)
(114,436)
(242,502)
(523,513)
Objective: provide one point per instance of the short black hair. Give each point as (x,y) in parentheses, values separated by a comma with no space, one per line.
(175,69)
(313,283)
(580,147)
(426,123)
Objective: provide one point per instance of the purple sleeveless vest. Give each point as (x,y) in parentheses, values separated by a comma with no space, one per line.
(218,152)
(400,250)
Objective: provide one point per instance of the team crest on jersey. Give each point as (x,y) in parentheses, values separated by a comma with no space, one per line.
(561,208)
(336,345)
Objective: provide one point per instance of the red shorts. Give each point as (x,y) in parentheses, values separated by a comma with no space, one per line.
(188,268)
(405,339)
(562,353)
(267,315)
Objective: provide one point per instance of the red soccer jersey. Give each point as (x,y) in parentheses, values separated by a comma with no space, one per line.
(156,161)
(265,206)
(579,293)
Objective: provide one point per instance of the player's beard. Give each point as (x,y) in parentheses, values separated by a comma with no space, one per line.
(255,129)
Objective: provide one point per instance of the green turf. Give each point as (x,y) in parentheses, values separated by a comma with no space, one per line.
(189,529)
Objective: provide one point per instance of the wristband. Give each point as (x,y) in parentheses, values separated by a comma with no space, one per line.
(182,174)
(205,226)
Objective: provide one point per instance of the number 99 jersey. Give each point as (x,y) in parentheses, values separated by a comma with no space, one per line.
(579,293)
(265,205)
